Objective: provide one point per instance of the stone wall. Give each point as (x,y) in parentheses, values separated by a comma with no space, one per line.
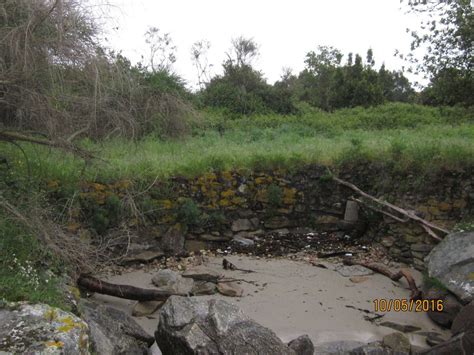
(219,206)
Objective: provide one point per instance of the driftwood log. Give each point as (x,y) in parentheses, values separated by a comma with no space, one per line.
(93,284)
(395,276)
(427,226)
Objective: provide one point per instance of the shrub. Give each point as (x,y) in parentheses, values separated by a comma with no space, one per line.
(189,213)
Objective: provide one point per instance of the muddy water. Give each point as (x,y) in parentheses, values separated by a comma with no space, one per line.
(294,298)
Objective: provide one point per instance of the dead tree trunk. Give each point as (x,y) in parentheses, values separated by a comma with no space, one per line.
(92,284)
(395,276)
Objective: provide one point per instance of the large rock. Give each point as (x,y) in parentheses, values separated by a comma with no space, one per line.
(112,331)
(196,326)
(452,262)
(375,348)
(203,288)
(398,342)
(337,347)
(202,273)
(451,306)
(143,257)
(172,242)
(165,277)
(39,328)
(462,341)
(172,282)
(302,345)
(145,308)
(241,225)
(230,289)
(277,222)
(464,321)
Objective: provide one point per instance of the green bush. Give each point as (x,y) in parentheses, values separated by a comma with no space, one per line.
(189,213)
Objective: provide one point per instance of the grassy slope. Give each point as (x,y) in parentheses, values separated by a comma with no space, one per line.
(407,135)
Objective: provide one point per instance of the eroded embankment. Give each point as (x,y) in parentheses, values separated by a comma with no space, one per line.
(218,207)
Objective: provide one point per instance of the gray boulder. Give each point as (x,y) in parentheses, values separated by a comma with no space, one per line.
(398,342)
(452,262)
(241,225)
(195,326)
(112,331)
(302,345)
(172,242)
(203,288)
(171,281)
(375,348)
(462,341)
(165,277)
(39,328)
(202,273)
(451,306)
(337,347)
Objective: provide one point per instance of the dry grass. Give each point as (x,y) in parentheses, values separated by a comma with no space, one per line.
(57,81)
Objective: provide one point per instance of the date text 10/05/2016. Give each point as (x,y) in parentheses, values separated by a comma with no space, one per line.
(403,305)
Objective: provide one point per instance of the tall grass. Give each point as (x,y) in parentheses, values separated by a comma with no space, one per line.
(428,138)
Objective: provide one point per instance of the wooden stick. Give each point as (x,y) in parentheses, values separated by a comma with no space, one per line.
(410,215)
(395,276)
(123,291)
(16,136)
(398,219)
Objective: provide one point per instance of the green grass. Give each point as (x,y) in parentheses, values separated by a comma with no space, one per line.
(404,135)
(28,272)
(400,135)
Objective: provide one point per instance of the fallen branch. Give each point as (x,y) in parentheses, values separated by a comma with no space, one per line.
(428,226)
(395,276)
(398,219)
(93,284)
(13,137)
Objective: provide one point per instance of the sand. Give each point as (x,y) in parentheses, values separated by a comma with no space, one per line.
(295,298)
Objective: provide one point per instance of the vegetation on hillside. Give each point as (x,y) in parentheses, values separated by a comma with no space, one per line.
(61,88)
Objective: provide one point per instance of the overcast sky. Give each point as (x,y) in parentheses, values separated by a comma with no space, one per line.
(284,30)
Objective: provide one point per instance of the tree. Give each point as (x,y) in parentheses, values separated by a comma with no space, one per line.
(317,78)
(199,51)
(243,52)
(447,37)
(328,85)
(241,89)
(162,50)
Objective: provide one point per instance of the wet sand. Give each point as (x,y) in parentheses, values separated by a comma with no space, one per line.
(294,298)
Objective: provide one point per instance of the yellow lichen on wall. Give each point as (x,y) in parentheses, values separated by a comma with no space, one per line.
(289,195)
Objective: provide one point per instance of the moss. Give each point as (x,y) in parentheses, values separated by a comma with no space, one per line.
(274,195)
(433,282)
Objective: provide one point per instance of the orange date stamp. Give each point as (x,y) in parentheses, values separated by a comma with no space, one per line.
(404,305)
